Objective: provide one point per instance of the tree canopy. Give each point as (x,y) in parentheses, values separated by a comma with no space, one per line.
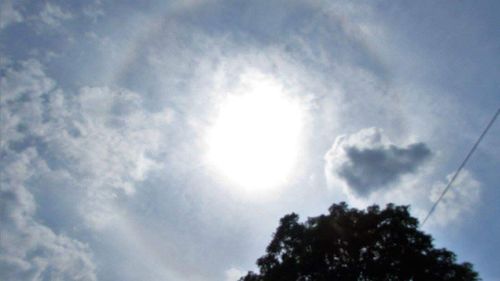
(358,245)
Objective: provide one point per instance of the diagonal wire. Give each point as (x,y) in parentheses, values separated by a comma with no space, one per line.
(461,166)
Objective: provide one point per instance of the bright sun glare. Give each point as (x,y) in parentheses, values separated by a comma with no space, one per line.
(254,141)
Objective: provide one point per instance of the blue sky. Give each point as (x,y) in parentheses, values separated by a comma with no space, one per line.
(130,131)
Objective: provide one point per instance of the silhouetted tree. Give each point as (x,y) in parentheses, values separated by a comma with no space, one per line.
(350,244)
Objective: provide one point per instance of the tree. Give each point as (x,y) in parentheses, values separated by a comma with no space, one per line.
(358,245)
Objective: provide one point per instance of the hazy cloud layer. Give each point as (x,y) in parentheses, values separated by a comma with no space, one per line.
(367,162)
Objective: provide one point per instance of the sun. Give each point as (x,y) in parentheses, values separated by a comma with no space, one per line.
(254,141)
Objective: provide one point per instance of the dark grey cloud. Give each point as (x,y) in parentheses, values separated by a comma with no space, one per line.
(366,161)
(370,169)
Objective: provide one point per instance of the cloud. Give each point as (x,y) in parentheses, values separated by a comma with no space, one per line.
(99,142)
(105,142)
(97,129)
(114,133)
(369,168)
(30,250)
(460,199)
(53,15)
(94,11)
(377,167)
(233,274)
(8,14)
(367,161)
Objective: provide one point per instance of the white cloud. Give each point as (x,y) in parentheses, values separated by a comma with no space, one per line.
(100,139)
(22,91)
(94,10)
(116,135)
(9,14)
(30,250)
(233,274)
(53,15)
(460,200)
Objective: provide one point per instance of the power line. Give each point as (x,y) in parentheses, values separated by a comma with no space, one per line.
(461,166)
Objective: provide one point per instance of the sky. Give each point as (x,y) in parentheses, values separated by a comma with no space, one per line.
(163,140)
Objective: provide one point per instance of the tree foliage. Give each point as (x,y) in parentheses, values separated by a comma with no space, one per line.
(359,245)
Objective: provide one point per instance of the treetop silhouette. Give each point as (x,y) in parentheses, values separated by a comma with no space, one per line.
(358,245)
